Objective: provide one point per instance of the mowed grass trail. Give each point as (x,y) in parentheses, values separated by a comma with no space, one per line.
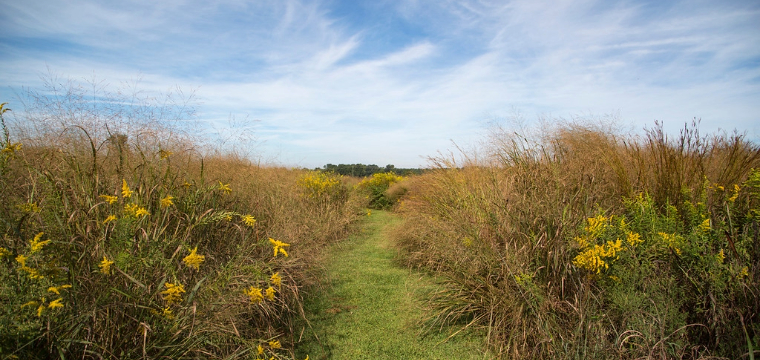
(372,307)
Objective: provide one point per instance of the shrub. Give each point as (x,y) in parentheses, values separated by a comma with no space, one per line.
(376,188)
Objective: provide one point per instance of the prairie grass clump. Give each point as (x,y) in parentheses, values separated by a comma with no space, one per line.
(582,243)
(133,246)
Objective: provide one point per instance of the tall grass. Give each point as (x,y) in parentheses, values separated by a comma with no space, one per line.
(582,243)
(128,242)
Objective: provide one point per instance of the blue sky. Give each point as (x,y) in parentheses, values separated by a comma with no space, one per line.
(394,81)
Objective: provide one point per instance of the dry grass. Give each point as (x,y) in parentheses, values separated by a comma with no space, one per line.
(58,183)
(501,229)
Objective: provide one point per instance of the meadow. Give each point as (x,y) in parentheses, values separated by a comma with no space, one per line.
(125,237)
(573,241)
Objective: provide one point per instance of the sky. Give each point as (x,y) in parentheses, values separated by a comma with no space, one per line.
(392,82)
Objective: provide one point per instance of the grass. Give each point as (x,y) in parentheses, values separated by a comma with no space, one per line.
(372,308)
(579,242)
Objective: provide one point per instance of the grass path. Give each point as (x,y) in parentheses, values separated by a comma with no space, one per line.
(372,308)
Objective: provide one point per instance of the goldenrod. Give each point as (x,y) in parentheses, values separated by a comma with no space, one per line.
(269,293)
(11,148)
(254,294)
(705,225)
(736,193)
(186,185)
(4,252)
(29,208)
(57,289)
(40,310)
(30,303)
(141,212)
(721,256)
(164,154)
(110,199)
(173,293)
(109,219)
(276,279)
(225,188)
(21,259)
(167,201)
(125,192)
(279,247)
(194,260)
(249,220)
(37,245)
(259,350)
(105,265)
(275,344)
(56,303)
(634,239)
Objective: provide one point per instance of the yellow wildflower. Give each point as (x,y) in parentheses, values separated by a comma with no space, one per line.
(672,241)
(40,310)
(369,212)
(225,188)
(249,220)
(125,192)
(227,217)
(254,294)
(721,256)
(164,154)
(187,185)
(33,273)
(167,201)
(110,199)
(582,242)
(4,252)
(173,293)
(141,212)
(36,245)
(596,225)
(21,259)
(705,225)
(744,272)
(269,293)
(109,219)
(105,266)
(11,148)
(56,303)
(30,303)
(29,208)
(279,247)
(736,193)
(634,239)
(259,350)
(57,289)
(167,313)
(130,209)
(720,187)
(194,260)
(276,279)
(275,344)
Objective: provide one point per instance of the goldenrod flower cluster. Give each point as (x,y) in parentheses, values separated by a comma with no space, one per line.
(279,247)
(173,293)
(672,241)
(164,154)
(135,210)
(167,201)
(249,220)
(110,199)
(105,266)
(11,148)
(36,245)
(256,294)
(125,191)
(28,208)
(316,184)
(194,260)
(225,188)
(596,258)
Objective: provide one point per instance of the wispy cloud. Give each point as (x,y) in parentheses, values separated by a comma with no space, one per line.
(390,82)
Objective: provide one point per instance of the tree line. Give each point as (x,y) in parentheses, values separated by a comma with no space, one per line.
(362,170)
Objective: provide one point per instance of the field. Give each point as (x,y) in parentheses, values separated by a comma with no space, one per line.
(123,239)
